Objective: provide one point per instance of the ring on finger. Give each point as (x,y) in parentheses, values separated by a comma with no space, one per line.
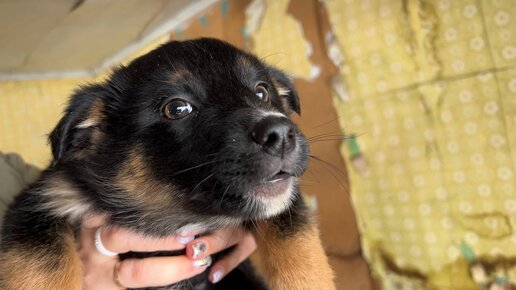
(100,247)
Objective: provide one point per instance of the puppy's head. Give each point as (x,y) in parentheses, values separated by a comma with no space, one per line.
(195,131)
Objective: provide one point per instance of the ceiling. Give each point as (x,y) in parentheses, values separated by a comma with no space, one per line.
(80,38)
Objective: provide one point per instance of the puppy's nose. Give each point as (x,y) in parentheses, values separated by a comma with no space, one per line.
(277,136)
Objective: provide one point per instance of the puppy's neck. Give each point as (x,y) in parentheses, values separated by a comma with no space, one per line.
(62,198)
(138,206)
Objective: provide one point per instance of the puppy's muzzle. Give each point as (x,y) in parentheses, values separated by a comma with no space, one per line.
(275,135)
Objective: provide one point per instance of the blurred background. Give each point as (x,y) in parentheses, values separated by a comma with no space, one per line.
(410,105)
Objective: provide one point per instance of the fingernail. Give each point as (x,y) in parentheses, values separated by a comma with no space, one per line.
(217,276)
(184,239)
(198,249)
(202,263)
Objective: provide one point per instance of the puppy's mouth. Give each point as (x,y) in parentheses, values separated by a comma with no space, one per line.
(279,176)
(274,186)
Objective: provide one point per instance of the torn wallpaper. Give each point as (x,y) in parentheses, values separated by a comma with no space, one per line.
(432,101)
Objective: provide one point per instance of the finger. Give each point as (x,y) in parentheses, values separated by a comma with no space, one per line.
(214,243)
(121,240)
(229,262)
(96,269)
(87,248)
(159,271)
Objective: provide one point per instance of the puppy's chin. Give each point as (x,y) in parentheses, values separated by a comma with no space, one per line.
(271,198)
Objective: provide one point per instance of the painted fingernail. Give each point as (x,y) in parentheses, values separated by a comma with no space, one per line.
(202,263)
(184,239)
(217,276)
(198,249)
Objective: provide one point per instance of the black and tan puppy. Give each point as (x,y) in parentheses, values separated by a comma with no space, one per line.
(194,133)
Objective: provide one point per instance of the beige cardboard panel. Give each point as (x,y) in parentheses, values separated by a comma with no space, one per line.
(109,28)
(24,24)
(47,42)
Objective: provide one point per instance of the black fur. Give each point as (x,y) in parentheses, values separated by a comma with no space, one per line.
(207,164)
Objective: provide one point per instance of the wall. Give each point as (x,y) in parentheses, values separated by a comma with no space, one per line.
(431,95)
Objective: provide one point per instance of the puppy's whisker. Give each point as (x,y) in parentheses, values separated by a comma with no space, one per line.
(326,135)
(199,184)
(222,199)
(258,231)
(193,167)
(329,134)
(335,133)
(272,54)
(170,62)
(229,240)
(326,123)
(325,140)
(313,175)
(329,166)
(334,137)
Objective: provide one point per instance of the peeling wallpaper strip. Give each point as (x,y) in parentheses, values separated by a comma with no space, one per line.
(279,41)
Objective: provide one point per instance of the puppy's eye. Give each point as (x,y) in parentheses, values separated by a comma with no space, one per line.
(261,92)
(177,109)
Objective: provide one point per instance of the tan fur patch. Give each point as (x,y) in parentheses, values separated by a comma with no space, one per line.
(95,115)
(23,268)
(282,90)
(286,104)
(142,187)
(293,263)
(95,138)
(179,74)
(64,199)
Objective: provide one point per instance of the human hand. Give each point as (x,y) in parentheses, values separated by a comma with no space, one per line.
(99,270)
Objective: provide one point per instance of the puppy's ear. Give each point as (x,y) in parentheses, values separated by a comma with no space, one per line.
(286,89)
(79,130)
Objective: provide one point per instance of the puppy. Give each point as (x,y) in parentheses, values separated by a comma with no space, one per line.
(194,133)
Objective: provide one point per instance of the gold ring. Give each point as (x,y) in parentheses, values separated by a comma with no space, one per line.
(116,271)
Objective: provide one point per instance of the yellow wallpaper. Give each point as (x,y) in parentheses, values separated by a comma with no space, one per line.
(433,100)
(29,111)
